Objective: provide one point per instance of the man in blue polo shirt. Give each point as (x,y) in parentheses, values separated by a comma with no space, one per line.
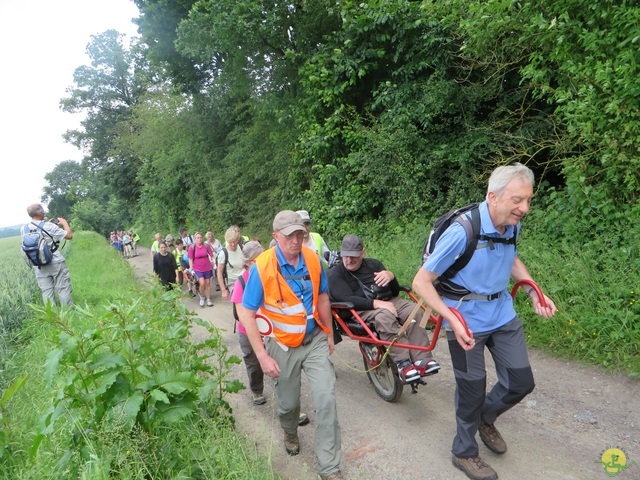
(287,286)
(490,315)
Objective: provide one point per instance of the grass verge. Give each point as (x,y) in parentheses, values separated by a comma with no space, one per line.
(106,389)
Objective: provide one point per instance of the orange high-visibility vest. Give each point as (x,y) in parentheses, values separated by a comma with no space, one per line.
(281,306)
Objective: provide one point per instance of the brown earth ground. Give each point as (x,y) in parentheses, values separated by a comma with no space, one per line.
(560,431)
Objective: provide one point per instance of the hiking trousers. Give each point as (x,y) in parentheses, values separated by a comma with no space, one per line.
(252,364)
(314,359)
(52,278)
(388,326)
(515,381)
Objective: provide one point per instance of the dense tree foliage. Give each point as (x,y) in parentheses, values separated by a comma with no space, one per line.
(380,111)
(106,93)
(64,188)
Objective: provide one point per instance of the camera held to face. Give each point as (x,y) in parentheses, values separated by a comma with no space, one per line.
(54,220)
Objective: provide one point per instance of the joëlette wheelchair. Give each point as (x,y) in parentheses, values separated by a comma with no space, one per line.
(381,370)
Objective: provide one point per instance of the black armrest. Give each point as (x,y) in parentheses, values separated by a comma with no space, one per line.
(405,288)
(342,305)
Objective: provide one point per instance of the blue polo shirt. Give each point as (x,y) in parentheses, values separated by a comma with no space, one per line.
(253,297)
(488,272)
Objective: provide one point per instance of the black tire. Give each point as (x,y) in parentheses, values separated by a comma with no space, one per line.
(384,377)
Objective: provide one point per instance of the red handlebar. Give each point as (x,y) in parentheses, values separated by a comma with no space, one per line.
(460,319)
(519,284)
(533,285)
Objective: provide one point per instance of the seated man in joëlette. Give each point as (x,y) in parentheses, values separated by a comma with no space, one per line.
(374,293)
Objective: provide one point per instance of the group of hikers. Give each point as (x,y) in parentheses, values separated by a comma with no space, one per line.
(125,241)
(282,296)
(199,260)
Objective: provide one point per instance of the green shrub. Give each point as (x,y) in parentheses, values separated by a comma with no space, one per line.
(132,363)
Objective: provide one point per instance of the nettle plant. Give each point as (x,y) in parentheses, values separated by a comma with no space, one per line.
(133,364)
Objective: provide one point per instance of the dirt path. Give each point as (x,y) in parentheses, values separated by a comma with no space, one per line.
(560,431)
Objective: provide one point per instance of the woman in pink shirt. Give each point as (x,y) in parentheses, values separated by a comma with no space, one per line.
(201,263)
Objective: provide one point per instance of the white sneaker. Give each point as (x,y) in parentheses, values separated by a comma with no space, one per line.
(209,303)
(202,301)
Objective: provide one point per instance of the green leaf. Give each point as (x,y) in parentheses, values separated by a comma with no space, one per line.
(131,406)
(176,411)
(144,371)
(16,385)
(108,360)
(104,380)
(160,396)
(51,364)
(234,386)
(205,392)
(33,450)
(177,382)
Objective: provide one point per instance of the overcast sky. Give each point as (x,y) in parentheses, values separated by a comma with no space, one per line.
(42,43)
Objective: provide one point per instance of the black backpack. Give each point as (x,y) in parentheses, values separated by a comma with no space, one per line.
(225,277)
(444,285)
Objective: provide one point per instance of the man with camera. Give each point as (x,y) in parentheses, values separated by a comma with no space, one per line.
(374,293)
(55,275)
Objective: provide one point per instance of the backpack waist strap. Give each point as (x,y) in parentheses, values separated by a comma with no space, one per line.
(475,296)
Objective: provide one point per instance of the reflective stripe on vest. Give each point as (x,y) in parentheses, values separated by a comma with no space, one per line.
(293,310)
(281,306)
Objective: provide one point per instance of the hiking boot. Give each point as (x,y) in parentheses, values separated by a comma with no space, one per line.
(192,293)
(474,468)
(427,366)
(291,443)
(491,437)
(407,372)
(332,476)
(259,399)
(209,303)
(303,419)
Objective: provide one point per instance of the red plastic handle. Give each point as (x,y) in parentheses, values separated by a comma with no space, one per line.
(459,317)
(533,285)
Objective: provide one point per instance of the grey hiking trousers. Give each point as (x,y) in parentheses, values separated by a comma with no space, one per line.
(515,381)
(314,359)
(55,278)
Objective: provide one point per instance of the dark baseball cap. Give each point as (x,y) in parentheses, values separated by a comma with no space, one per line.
(351,246)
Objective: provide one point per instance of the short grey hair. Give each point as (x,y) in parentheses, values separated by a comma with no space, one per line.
(250,252)
(35,210)
(501,177)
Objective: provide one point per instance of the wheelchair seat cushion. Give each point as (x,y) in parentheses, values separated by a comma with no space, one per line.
(357,328)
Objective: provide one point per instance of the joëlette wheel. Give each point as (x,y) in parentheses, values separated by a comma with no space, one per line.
(384,378)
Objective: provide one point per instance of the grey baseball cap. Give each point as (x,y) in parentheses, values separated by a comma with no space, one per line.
(287,222)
